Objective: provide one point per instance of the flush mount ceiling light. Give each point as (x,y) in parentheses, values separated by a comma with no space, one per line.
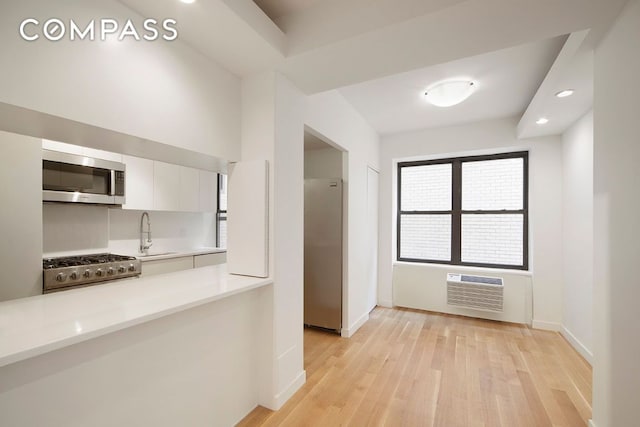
(564,93)
(449,93)
(542,121)
(187,1)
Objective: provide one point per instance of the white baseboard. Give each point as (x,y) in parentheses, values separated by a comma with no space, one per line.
(592,424)
(547,326)
(385,303)
(577,345)
(282,397)
(348,332)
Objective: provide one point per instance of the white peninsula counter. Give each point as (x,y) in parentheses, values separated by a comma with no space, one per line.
(174,349)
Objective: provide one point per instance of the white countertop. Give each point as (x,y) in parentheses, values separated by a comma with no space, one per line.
(36,325)
(177,254)
(154,254)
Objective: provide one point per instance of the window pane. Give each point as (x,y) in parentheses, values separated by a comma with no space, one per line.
(222,216)
(492,239)
(222,192)
(426,188)
(425,237)
(222,233)
(492,184)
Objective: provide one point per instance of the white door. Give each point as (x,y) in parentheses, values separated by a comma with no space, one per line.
(372,233)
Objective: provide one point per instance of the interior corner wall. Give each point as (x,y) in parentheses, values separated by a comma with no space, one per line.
(160,91)
(330,115)
(545,201)
(577,235)
(616,371)
(257,141)
(288,199)
(273,130)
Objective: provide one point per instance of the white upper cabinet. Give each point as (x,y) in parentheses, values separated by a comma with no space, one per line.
(139,183)
(189,189)
(101,154)
(166,187)
(159,186)
(208,191)
(81,151)
(153,185)
(63,147)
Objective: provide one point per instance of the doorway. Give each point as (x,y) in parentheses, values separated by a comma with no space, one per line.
(323,234)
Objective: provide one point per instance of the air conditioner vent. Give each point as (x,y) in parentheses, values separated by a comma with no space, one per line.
(477,292)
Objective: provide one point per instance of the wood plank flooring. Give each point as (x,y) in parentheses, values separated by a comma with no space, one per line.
(413,368)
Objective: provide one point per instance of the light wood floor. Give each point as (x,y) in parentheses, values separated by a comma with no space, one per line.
(412,368)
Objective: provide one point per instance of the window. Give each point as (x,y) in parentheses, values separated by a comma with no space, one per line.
(221,214)
(464,211)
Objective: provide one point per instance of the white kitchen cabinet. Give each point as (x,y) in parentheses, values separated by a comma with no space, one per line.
(139,184)
(150,268)
(153,185)
(79,150)
(169,265)
(209,259)
(101,154)
(166,187)
(21,217)
(208,191)
(189,189)
(62,147)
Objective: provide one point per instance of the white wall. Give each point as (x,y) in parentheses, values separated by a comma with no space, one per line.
(577,235)
(82,229)
(171,231)
(273,125)
(288,223)
(323,163)
(74,227)
(545,201)
(20,216)
(273,130)
(616,345)
(330,115)
(423,286)
(165,92)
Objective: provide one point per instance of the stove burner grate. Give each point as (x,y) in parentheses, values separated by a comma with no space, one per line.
(74,261)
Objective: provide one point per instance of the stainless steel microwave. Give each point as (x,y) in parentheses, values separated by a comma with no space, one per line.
(79,179)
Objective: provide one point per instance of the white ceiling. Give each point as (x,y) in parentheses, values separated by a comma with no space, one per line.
(572,69)
(234,33)
(332,43)
(329,44)
(506,80)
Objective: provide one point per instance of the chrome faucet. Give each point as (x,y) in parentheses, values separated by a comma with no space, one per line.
(144,246)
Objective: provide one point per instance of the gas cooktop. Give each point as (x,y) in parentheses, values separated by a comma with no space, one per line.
(64,273)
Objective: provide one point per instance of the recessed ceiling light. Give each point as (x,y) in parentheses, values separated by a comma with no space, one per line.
(542,121)
(187,1)
(564,93)
(449,93)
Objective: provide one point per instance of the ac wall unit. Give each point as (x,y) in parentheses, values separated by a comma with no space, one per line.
(477,292)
